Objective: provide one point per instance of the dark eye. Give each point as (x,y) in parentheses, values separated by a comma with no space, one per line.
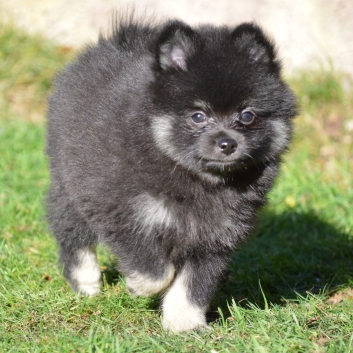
(198,118)
(247,118)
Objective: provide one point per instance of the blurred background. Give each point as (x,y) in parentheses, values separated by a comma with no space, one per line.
(308,32)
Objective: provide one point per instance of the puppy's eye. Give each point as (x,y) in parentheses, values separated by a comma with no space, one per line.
(199,118)
(247,118)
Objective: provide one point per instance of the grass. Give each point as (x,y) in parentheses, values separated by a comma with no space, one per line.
(290,287)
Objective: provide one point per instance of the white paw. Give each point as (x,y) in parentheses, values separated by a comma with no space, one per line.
(87,274)
(89,289)
(185,321)
(179,314)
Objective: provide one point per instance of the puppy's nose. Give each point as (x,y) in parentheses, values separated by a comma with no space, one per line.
(227,146)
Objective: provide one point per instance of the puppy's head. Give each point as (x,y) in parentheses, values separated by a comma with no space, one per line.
(220,103)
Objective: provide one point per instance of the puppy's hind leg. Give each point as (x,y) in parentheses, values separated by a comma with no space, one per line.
(84,272)
(81,267)
(142,284)
(76,242)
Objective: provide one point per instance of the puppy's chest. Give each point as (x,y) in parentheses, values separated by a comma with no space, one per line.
(186,217)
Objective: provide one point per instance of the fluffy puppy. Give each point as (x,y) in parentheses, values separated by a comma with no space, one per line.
(163,141)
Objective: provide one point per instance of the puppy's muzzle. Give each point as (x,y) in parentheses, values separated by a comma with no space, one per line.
(227,145)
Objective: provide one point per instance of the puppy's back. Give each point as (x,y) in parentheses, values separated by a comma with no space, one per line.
(94,93)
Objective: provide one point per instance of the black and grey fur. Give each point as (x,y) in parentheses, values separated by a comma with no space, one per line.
(163,141)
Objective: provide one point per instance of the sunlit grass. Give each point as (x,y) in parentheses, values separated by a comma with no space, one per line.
(27,67)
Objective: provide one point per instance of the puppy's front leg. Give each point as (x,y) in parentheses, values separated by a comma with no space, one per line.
(186,302)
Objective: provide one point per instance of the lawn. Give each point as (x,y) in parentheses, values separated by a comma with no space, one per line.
(290,287)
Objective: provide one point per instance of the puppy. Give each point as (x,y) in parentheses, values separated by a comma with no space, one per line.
(163,141)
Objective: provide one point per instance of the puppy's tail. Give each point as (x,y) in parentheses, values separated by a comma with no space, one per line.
(130,27)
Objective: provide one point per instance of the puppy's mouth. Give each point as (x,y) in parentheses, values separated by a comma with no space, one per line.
(219,161)
(221,164)
(226,166)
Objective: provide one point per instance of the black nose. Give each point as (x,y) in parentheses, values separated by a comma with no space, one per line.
(227,146)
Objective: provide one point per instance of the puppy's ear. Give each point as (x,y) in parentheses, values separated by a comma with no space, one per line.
(174,46)
(251,40)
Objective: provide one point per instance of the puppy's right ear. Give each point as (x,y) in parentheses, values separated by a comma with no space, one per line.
(174,46)
(251,40)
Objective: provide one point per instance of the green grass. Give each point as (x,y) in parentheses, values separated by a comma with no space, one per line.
(276,297)
(27,66)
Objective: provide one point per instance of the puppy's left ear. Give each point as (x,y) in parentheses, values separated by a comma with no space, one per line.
(251,40)
(174,46)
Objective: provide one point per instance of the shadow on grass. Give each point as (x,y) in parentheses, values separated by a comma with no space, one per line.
(289,253)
